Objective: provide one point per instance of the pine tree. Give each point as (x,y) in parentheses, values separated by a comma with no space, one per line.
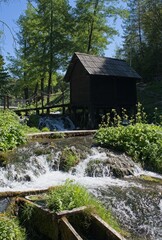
(142,46)
(6,85)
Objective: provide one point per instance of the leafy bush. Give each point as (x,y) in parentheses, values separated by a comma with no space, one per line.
(11,131)
(10,229)
(141,141)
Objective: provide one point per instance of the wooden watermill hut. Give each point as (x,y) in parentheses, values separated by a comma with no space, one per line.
(97,85)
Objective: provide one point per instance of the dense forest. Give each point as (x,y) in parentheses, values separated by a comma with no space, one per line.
(51,31)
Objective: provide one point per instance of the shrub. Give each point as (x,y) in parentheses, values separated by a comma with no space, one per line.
(11,131)
(141,141)
(10,229)
(45,129)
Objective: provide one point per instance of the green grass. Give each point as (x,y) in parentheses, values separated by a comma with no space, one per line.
(71,195)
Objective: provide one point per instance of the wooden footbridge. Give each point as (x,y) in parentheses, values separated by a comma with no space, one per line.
(42,110)
(6,102)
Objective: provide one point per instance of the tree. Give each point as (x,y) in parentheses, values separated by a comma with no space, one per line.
(152,27)
(142,46)
(92,30)
(55,18)
(44,43)
(5,83)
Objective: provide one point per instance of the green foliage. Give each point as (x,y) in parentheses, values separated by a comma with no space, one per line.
(91,31)
(69,158)
(11,131)
(67,197)
(44,45)
(26,213)
(10,229)
(142,46)
(141,141)
(114,119)
(72,195)
(5,81)
(45,129)
(140,116)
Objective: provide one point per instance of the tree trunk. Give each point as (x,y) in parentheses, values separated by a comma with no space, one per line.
(26,95)
(92,27)
(36,94)
(4,102)
(42,93)
(51,58)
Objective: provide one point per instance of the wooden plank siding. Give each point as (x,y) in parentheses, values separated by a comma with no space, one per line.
(79,86)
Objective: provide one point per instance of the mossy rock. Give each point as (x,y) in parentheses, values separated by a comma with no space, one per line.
(69,158)
(151,179)
(3,159)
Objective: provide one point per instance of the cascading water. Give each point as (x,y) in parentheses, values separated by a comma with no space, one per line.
(56,123)
(135,202)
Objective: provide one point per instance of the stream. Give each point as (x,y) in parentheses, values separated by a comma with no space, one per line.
(135,201)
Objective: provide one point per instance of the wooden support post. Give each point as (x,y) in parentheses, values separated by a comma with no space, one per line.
(4,102)
(91,118)
(7,99)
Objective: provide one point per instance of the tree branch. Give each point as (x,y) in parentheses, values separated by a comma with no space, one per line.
(6,25)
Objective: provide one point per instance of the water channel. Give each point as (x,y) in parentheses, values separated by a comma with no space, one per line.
(135,201)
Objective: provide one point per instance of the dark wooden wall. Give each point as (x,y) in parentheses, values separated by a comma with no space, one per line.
(101,91)
(79,86)
(112,92)
(126,94)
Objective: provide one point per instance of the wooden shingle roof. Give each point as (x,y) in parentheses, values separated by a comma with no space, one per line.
(95,65)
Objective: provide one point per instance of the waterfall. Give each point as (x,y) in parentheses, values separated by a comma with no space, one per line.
(54,123)
(135,202)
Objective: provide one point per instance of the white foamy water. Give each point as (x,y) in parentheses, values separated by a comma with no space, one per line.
(56,123)
(38,173)
(160,205)
(56,178)
(81,167)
